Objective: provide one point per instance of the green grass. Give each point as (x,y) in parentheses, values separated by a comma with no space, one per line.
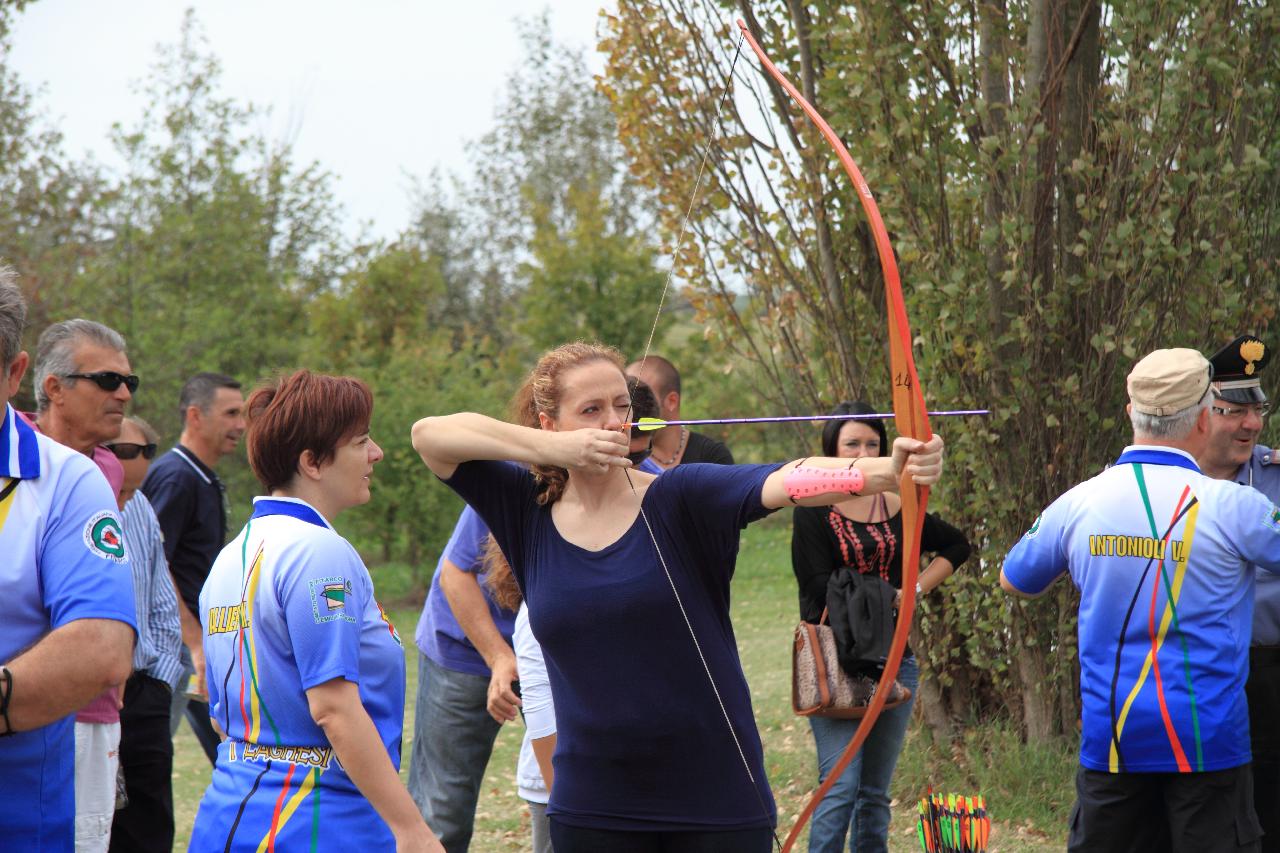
(1028,787)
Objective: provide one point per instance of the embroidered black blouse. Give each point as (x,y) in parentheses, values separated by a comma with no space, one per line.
(823,541)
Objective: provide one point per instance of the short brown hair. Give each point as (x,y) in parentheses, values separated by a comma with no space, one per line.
(299,412)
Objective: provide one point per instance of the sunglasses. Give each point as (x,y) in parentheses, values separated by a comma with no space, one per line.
(130,450)
(109,380)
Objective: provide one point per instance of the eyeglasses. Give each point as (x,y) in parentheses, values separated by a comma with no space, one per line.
(130,450)
(1234,412)
(109,380)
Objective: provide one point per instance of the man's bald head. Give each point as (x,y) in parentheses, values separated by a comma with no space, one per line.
(661,376)
(656,372)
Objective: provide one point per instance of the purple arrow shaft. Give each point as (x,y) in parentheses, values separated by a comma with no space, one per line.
(792,418)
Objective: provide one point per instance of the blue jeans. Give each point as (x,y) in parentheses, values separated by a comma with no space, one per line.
(859,802)
(453,736)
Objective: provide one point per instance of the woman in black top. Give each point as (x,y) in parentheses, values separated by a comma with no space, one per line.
(862,533)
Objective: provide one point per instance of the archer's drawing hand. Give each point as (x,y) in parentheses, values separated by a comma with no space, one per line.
(921,460)
(589,449)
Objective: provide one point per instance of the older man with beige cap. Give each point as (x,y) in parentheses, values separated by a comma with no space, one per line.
(1164,557)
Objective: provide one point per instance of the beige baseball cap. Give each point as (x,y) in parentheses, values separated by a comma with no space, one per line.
(1168,381)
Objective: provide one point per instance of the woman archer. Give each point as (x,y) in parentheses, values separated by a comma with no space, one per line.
(644,760)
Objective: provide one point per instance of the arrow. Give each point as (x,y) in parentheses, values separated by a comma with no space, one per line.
(650,424)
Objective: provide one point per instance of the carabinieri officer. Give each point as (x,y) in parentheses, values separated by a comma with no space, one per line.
(1238,414)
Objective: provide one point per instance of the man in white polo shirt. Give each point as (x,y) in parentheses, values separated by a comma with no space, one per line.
(68,627)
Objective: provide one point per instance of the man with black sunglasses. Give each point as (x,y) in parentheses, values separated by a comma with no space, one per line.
(1236,419)
(190,503)
(145,824)
(68,625)
(82,384)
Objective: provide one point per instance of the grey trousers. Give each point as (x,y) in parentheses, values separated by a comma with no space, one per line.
(541,827)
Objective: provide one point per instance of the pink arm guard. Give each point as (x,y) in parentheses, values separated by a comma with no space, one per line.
(806,481)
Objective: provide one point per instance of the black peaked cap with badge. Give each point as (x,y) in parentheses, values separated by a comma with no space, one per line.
(1236,367)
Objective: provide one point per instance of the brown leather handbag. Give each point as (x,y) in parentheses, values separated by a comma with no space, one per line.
(820,687)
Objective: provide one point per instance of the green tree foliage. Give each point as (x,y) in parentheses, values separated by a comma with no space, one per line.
(217,240)
(1068,185)
(214,250)
(204,255)
(49,222)
(8,8)
(389,323)
(588,282)
(548,237)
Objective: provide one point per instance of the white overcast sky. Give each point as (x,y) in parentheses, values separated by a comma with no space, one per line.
(375,90)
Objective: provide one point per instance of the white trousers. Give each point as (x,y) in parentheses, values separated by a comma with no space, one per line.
(97,760)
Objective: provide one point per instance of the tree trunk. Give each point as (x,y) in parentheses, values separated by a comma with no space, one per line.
(1037,703)
(1079,94)
(933,708)
(960,694)
(1044,50)
(929,695)
(1069,686)
(992,32)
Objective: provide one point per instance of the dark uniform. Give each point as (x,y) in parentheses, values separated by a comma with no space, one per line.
(1236,367)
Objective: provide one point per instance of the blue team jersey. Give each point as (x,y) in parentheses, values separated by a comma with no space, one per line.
(1164,558)
(62,558)
(288,606)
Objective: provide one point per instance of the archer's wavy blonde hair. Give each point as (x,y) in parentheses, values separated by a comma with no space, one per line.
(540,394)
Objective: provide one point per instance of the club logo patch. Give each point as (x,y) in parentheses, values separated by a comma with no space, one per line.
(1035,527)
(103,537)
(392,628)
(329,599)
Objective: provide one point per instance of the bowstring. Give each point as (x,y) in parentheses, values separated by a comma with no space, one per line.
(648,345)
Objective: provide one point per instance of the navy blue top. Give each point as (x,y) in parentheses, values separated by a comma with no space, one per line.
(641,741)
(190,504)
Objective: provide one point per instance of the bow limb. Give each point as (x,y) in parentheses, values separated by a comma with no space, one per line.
(909,416)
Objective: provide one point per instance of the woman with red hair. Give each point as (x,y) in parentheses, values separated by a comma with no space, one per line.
(647,758)
(306,675)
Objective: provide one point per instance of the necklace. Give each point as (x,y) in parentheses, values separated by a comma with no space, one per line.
(667,463)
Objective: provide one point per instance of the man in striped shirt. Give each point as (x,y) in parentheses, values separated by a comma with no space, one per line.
(146,750)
